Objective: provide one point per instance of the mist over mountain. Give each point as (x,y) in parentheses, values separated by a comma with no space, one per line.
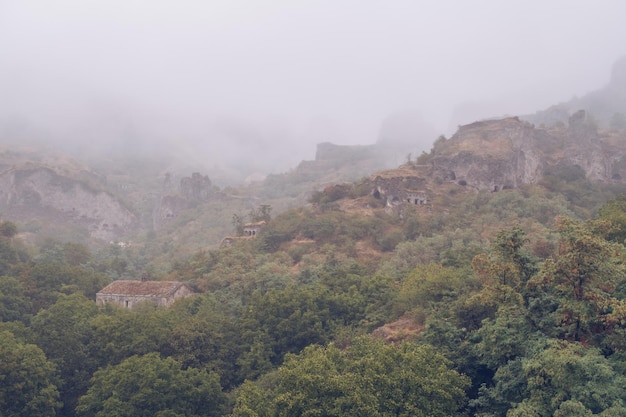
(251,87)
(322,174)
(607,105)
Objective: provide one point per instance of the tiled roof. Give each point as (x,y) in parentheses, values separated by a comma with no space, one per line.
(257,224)
(143,288)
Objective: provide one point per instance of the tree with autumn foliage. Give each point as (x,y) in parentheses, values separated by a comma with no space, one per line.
(581,282)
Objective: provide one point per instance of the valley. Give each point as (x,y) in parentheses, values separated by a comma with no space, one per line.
(485,277)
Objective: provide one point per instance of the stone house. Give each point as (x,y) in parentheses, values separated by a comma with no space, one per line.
(253,229)
(250,231)
(129,293)
(401,186)
(418,198)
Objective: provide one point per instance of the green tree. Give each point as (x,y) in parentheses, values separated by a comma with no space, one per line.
(45,281)
(63,333)
(615,212)
(147,386)
(8,256)
(567,376)
(510,335)
(254,399)
(289,320)
(27,381)
(369,378)
(76,253)
(207,339)
(118,333)
(14,305)
(261,213)
(582,281)
(503,271)
(8,229)
(428,285)
(507,263)
(238,223)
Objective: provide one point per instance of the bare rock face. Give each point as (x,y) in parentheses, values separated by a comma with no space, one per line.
(196,188)
(583,146)
(170,206)
(582,128)
(42,193)
(490,155)
(191,192)
(507,153)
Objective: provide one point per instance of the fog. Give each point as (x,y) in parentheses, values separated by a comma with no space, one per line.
(249,80)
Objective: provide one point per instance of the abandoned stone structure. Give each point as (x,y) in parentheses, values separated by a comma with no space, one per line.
(253,229)
(128,293)
(401,186)
(250,231)
(419,198)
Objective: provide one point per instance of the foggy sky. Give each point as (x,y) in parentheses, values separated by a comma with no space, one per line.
(258,73)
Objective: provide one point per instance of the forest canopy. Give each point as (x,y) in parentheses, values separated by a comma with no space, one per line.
(528,319)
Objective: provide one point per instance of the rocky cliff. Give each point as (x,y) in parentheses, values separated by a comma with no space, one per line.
(494,155)
(490,155)
(40,192)
(506,153)
(191,192)
(607,104)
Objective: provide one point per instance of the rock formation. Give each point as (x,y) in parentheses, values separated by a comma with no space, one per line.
(196,188)
(605,103)
(490,155)
(493,155)
(39,192)
(191,192)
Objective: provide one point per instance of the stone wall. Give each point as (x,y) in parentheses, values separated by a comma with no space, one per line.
(130,301)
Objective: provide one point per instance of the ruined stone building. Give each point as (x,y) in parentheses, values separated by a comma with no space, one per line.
(418,198)
(401,186)
(250,231)
(128,293)
(253,229)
